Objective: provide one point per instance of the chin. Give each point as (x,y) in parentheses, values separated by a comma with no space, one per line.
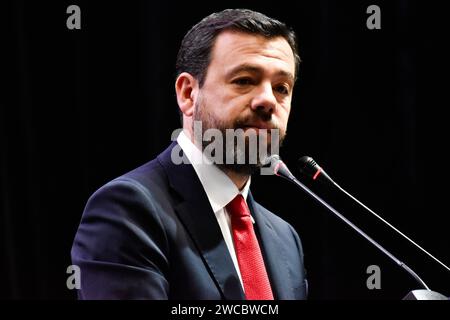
(242,169)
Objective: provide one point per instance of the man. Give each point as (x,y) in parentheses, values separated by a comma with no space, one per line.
(192,230)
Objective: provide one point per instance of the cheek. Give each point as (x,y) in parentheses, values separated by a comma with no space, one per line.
(283,117)
(232,107)
(218,102)
(283,113)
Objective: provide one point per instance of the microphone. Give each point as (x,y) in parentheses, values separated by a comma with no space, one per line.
(312,170)
(279,168)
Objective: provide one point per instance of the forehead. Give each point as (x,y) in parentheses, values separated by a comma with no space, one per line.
(233,48)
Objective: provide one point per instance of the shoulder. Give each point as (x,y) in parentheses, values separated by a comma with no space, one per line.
(148,177)
(143,187)
(130,212)
(146,181)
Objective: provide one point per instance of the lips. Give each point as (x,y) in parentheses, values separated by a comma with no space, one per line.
(258,126)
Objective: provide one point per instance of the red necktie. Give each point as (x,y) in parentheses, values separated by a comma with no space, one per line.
(251,263)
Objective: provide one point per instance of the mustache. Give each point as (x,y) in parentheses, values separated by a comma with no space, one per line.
(257,118)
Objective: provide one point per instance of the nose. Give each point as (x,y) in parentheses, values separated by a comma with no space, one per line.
(264,100)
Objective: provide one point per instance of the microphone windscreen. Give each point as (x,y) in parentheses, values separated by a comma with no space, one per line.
(312,170)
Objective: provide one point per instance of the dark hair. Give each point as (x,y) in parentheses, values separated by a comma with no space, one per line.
(195,52)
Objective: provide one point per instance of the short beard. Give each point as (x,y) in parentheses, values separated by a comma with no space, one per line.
(210,122)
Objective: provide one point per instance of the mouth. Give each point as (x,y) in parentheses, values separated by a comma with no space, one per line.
(258,127)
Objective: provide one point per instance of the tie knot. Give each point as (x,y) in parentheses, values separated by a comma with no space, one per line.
(238,207)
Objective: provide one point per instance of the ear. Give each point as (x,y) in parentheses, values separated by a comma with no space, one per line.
(186,87)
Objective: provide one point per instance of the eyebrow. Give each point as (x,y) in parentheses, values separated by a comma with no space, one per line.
(256,69)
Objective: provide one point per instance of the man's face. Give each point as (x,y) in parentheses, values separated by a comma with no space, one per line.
(249,84)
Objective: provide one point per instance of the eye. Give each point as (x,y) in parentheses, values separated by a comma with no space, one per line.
(282,89)
(245,81)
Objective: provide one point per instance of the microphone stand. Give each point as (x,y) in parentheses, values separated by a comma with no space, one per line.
(420,294)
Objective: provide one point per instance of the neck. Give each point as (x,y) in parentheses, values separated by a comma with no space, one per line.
(238,179)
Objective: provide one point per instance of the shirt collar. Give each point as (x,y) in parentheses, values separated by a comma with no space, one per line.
(219,188)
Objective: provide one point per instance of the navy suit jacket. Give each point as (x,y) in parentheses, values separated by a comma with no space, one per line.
(152,234)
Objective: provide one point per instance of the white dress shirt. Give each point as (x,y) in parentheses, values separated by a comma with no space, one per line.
(219,188)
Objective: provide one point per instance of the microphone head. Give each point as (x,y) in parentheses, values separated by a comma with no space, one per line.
(278,167)
(312,170)
(271,161)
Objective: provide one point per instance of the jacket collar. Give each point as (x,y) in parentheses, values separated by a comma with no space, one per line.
(193,207)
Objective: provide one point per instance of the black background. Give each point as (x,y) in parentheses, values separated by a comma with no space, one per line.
(80,107)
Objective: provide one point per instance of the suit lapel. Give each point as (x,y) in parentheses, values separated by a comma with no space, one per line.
(197,216)
(273,252)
